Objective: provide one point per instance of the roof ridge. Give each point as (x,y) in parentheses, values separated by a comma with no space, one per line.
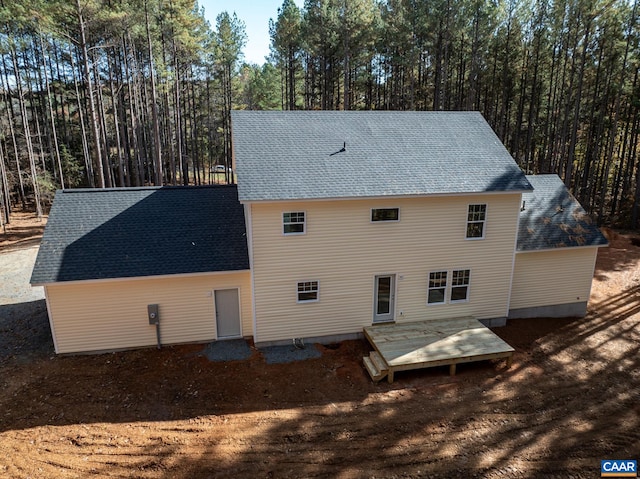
(144,188)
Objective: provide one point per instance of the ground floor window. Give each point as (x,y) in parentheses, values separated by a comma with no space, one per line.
(460,285)
(437,287)
(308,291)
(451,286)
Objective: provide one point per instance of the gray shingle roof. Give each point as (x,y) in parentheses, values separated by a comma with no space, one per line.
(296,155)
(553,218)
(131,232)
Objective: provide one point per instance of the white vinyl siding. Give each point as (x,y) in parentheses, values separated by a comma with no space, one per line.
(346,250)
(548,278)
(109,315)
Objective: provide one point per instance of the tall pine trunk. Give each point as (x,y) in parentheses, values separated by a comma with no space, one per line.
(157,146)
(27,134)
(51,115)
(93,114)
(86,154)
(10,118)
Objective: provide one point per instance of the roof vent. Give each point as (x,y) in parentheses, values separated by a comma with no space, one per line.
(342,150)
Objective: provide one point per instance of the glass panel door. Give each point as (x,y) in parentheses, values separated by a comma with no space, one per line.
(384,296)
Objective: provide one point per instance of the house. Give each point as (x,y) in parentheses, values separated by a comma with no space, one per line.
(340,220)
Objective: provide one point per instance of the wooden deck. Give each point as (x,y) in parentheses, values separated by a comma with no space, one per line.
(424,344)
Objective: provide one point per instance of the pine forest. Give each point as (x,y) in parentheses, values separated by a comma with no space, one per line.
(122,93)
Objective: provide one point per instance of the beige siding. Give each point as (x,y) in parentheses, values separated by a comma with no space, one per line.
(344,250)
(107,315)
(548,278)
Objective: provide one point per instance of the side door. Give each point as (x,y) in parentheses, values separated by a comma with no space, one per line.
(384,298)
(227,306)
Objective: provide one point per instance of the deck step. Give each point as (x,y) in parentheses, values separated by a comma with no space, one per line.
(379,362)
(373,371)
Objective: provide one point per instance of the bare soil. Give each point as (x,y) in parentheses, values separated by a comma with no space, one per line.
(571,398)
(24,230)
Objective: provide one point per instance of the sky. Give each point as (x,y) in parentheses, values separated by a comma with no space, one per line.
(255,14)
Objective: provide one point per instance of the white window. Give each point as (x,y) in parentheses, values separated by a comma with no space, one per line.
(385,214)
(437,287)
(460,285)
(308,291)
(476,218)
(293,223)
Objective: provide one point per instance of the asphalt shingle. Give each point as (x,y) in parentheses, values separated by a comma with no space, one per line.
(133,232)
(347,154)
(553,218)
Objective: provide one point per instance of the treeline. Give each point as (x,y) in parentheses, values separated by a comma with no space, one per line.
(557,80)
(112,93)
(106,93)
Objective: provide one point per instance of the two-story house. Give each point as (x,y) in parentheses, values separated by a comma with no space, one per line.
(340,220)
(355,218)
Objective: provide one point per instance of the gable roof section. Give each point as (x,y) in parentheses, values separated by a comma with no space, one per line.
(133,232)
(552,218)
(291,155)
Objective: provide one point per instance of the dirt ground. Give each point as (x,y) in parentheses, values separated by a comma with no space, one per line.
(24,230)
(571,398)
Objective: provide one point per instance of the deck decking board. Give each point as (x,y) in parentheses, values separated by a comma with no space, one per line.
(424,344)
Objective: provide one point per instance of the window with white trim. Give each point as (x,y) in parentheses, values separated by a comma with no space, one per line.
(476,218)
(293,223)
(460,285)
(385,214)
(437,287)
(308,291)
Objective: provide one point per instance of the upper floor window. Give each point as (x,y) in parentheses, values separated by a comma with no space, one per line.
(385,214)
(476,219)
(293,223)
(308,291)
(460,285)
(437,287)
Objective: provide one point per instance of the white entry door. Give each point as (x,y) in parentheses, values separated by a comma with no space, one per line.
(227,313)
(384,298)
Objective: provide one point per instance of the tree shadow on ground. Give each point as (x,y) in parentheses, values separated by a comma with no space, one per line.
(620,255)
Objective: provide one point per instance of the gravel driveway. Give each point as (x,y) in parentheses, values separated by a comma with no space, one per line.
(24,326)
